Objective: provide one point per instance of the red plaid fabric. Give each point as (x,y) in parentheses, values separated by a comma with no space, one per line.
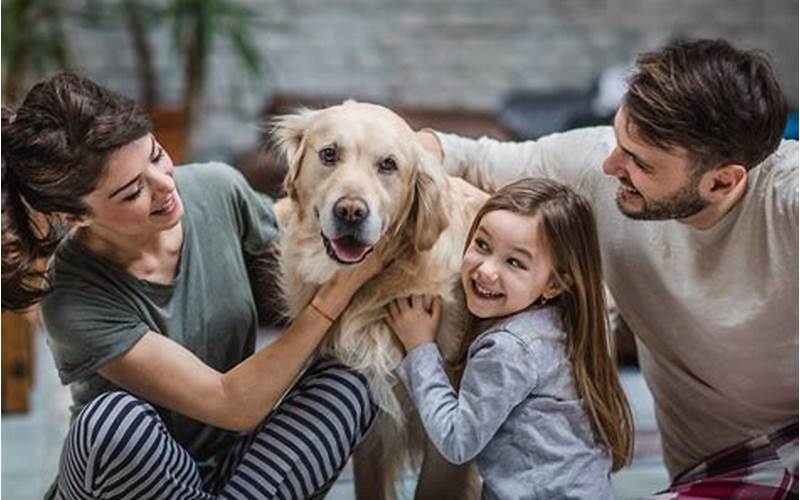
(761,468)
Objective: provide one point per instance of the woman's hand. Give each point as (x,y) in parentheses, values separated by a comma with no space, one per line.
(334,295)
(414,319)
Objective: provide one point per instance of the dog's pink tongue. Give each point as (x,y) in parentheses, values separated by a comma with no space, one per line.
(349,249)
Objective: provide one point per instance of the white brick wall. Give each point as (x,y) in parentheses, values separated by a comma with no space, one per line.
(446,53)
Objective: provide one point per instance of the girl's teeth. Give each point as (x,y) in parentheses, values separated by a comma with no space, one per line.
(485,292)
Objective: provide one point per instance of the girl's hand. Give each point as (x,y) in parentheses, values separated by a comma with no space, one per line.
(334,295)
(414,319)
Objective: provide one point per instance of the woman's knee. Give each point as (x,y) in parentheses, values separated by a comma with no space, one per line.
(119,442)
(107,424)
(346,390)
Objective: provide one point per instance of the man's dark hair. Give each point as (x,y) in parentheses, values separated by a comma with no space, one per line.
(720,104)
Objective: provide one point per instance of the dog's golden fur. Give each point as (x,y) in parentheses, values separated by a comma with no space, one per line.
(423,213)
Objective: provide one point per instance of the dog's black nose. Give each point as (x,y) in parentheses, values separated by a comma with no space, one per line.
(350,210)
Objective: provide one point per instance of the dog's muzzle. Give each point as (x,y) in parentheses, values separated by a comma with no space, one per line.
(350,218)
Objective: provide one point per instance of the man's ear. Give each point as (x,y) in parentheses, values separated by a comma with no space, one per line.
(716,184)
(289,138)
(426,217)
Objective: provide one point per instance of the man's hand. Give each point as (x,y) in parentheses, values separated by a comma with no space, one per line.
(414,319)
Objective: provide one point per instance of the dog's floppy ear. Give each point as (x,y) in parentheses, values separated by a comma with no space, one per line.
(428,217)
(289,138)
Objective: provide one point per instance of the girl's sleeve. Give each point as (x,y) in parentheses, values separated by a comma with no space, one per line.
(498,376)
(572,158)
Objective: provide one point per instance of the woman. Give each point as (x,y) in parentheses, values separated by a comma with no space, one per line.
(150,318)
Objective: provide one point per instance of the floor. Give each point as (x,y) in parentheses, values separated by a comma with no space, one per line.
(30,443)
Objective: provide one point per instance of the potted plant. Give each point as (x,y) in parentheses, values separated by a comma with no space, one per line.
(33,43)
(196,27)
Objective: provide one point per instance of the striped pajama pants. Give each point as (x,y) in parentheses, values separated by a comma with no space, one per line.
(118,447)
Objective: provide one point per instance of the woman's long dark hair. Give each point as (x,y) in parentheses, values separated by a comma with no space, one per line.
(569,228)
(55,147)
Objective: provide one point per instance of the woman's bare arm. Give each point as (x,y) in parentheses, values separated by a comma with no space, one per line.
(169,375)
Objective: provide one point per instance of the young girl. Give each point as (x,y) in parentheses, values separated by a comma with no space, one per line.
(539,403)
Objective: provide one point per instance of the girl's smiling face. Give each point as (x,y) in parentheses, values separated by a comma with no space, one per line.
(507,265)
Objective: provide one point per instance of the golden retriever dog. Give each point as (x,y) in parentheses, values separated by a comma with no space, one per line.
(357,174)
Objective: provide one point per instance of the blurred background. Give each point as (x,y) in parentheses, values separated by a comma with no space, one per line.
(212,72)
(229,60)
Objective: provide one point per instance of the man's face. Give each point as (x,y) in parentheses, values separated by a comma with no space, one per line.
(656,184)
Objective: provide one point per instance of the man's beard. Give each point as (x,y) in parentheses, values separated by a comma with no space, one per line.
(685,203)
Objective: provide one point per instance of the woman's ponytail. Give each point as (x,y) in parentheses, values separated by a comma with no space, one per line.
(55,148)
(29,237)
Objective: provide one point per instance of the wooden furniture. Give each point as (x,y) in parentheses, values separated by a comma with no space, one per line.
(17,339)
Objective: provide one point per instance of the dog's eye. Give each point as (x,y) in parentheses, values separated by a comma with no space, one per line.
(328,155)
(388,165)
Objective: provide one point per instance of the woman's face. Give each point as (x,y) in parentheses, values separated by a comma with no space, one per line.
(136,195)
(507,266)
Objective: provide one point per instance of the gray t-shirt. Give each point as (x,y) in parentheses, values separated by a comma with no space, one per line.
(714,311)
(97,312)
(517,412)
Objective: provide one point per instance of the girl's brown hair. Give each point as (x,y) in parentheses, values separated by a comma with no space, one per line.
(568,225)
(55,147)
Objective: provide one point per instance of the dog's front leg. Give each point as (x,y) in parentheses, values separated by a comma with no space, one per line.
(442,480)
